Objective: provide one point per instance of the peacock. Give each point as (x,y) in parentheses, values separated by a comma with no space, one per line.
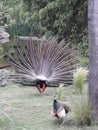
(43,63)
(60,110)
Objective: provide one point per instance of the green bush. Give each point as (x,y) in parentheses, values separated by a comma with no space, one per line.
(80,75)
(82,111)
(84,61)
(83,46)
(18,29)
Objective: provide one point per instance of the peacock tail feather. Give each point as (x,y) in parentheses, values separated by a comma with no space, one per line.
(45,60)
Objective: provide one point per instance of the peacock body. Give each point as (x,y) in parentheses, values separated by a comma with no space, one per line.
(60,110)
(44,62)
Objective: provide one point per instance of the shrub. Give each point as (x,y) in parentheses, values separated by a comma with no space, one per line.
(80,75)
(84,61)
(18,29)
(82,111)
(83,46)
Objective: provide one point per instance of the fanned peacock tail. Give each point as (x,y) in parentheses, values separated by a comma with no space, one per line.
(45,60)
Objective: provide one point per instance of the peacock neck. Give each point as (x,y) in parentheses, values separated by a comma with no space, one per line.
(55,104)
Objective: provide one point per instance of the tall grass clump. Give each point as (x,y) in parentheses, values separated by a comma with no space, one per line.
(80,76)
(82,111)
(59,91)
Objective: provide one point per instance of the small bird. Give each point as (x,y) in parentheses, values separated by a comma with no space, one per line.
(60,110)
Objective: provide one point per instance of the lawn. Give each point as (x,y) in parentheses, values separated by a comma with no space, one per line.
(23,108)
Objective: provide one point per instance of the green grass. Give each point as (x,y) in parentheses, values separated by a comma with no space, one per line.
(23,108)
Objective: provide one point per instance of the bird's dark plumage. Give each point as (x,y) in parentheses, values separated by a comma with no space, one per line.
(59,110)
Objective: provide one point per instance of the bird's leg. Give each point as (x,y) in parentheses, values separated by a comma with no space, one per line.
(39,88)
(63,121)
(43,87)
(59,120)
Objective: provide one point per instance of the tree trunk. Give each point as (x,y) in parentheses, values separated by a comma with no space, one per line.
(93,56)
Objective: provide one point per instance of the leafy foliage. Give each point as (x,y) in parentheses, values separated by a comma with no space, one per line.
(84,61)
(67,19)
(19,29)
